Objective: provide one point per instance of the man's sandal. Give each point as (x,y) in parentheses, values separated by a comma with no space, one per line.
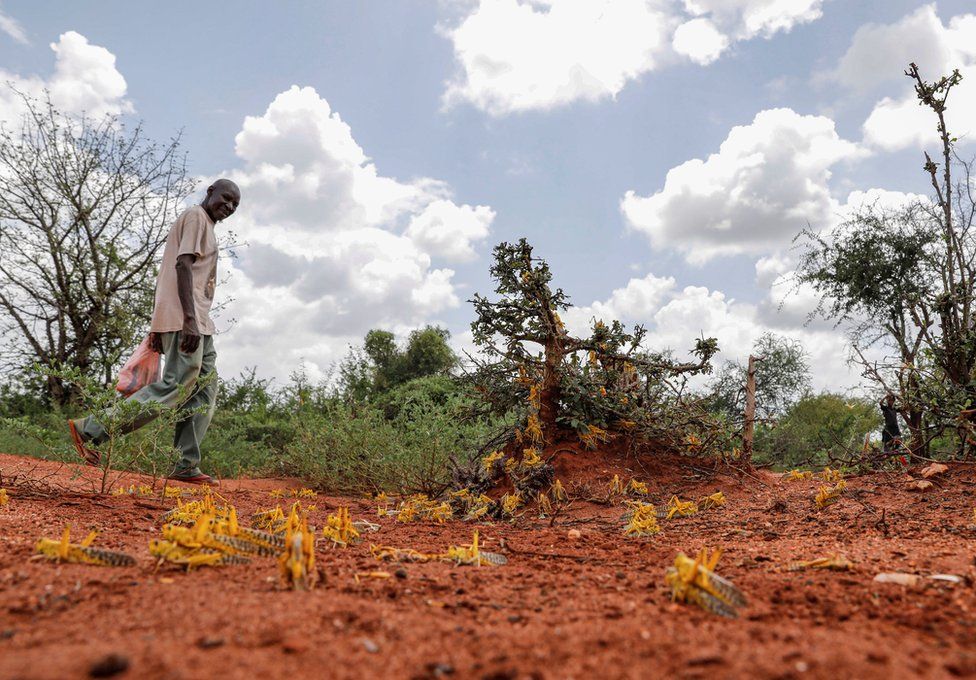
(201,478)
(88,455)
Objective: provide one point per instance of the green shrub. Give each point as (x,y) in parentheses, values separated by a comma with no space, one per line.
(355,447)
(815,427)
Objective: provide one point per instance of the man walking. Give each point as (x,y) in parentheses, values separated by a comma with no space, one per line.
(891,434)
(182,332)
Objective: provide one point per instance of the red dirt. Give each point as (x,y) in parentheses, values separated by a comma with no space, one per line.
(596,606)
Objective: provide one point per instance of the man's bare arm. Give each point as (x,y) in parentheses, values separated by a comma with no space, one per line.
(184,284)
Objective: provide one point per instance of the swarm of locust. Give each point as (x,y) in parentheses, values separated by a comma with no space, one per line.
(271,520)
(188,513)
(635,488)
(421,508)
(831,562)
(133,490)
(213,540)
(558,492)
(461,555)
(296,563)
(678,508)
(469,505)
(616,488)
(796,475)
(4,499)
(713,501)
(829,495)
(829,475)
(81,553)
(641,520)
(695,581)
(340,529)
(510,503)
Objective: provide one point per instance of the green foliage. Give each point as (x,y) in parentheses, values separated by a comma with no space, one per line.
(814,428)
(380,365)
(532,367)
(404,445)
(84,207)
(901,280)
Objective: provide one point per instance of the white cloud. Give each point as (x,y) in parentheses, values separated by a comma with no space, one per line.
(13,29)
(789,304)
(767,182)
(335,248)
(521,55)
(639,299)
(745,19)
(85,79)
(447,230)
(518,55)
(878,55)
(675,318)
(700,41)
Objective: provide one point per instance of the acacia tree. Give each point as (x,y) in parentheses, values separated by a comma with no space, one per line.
(530,363)
(84,208)
(902,280)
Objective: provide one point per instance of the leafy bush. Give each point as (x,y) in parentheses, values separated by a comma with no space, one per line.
(351,447)
(814,428)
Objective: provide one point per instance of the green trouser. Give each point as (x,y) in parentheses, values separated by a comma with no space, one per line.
(177,388)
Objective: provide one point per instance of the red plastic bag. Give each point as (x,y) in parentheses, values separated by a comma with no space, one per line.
(141,369)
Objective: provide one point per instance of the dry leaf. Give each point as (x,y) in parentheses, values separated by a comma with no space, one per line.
(920,485)
(934,469)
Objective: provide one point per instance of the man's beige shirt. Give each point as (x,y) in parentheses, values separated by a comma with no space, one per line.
(191,234)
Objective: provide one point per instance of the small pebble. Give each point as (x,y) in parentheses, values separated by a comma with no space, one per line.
(573,534)
(210,642)
(110,665)
(400,573)
(370,646)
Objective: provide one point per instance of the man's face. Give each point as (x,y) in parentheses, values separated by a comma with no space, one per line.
(222,201)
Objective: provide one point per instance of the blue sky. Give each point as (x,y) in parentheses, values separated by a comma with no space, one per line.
(555,168)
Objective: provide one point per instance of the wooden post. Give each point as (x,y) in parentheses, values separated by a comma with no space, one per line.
(748,427)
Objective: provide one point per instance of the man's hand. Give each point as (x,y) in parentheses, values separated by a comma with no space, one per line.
(189,337)
(156,343)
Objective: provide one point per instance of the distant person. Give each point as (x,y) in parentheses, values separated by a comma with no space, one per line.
(182,332)
(891,434)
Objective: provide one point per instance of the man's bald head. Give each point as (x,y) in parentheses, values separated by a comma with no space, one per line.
(223,197)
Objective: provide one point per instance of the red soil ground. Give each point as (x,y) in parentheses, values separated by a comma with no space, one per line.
(592,606)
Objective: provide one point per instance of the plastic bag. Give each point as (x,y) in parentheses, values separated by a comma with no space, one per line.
(140,370)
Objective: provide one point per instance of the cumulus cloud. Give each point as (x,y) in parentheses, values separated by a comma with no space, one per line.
(12,28)
(517,55)
(879,52)
(745,19)
(520,55)
(85,79)
(639,299)
(878,55)
(676,317)
(700,41)
(767,182)
(450,231)
(789,304)
(334,247)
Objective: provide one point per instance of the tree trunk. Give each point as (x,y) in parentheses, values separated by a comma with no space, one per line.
(916,431)
(549,390)
(748,427)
